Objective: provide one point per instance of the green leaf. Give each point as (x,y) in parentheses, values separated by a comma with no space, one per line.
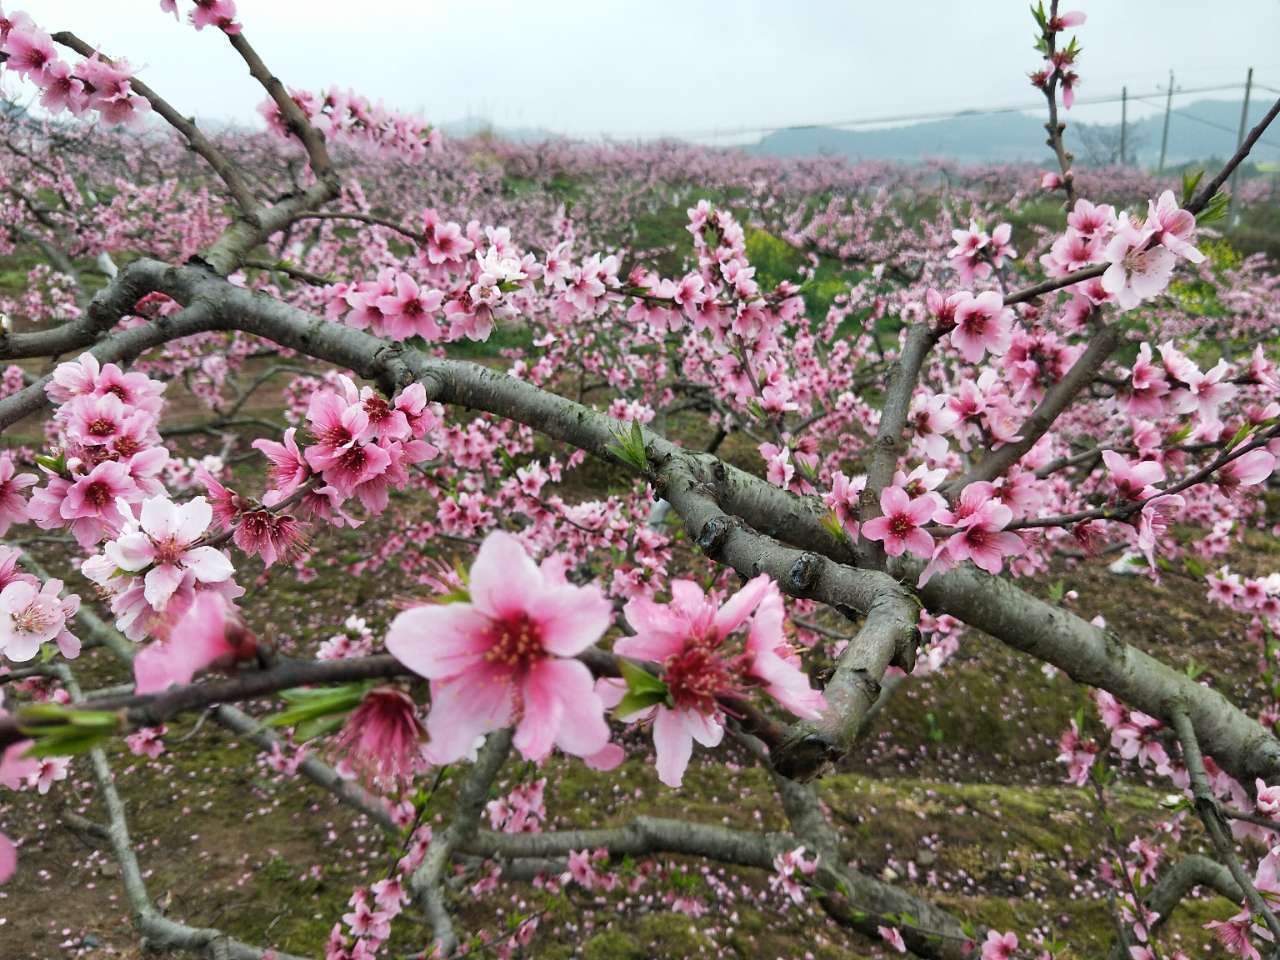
(1215,209)
(1190,180)
(67,744)
(1239,435)
(644,690)
(313,704)
(318,727)
(831,523)
(1193,566)
(630,447)
(1057,591)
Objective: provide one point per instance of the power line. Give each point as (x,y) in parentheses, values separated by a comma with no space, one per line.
(940,114)
(1216,126)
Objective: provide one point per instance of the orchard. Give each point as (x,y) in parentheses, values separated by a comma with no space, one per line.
(540,536)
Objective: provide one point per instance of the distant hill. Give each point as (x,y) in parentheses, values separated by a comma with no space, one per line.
(1194,134)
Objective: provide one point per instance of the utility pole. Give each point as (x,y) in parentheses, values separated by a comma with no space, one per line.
(1235,174)
(1164,136)
(1124,122)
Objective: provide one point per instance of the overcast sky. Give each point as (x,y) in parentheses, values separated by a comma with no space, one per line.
(626,69)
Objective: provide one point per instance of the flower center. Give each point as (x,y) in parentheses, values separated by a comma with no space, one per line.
(517,645)
(696,676)
(169,551)
(33,619)
(98,494)
(900,525)
(102,427)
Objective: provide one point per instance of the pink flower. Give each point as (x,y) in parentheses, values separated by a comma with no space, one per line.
(31,617)
(1133,481)
(289,470)
(31,52)
(1268,800)
(164,543)
(147,742)
(983,324)
(338,454)
(1233,934)
(1050,181)
(688,638)
(13,508)
(1156,517)
(506,656)
(899,527)
(999,946)
(1173,226)
(382,738)
(408,311)
(271,536)
(1246,470)
(209,635)
(48,771)
(1205,392)
(893,937)
(580,869)
(1072,18)
(92,502)
(983,539)
(1137,272)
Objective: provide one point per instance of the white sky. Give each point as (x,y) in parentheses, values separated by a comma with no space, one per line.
(632,68)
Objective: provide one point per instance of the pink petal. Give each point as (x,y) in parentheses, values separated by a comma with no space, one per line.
(674,745)
(503,577)
(209,564)
(8,858)
(741,605)
(160,583)
(463,709)
(571,618)
(439,641)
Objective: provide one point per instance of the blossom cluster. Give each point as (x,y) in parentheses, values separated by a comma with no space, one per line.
(93,84)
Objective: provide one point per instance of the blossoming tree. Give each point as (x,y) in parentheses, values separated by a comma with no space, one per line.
(959,418)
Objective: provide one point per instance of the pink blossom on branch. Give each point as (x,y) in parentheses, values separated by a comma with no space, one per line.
(505,657)
(690,640)
(899,528)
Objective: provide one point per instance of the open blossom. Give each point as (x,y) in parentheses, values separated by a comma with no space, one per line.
(1078,754)
(506,656)
(164,543)
(1138,271)
(689,639)
(968,256)
(31,617)
(983,325)
(1000,946)
(981,537)
(790,868)
(1267,799)
(1173,226)
(1246,470)
(1133,481)
(900,526)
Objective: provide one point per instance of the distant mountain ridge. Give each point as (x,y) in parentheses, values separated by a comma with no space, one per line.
(1194,134)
